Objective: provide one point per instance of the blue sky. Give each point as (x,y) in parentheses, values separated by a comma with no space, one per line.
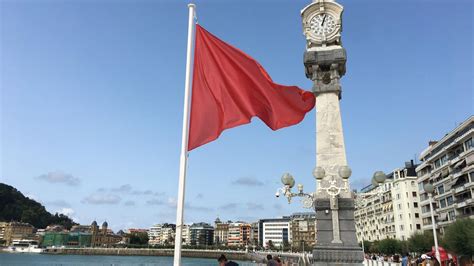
(92,93)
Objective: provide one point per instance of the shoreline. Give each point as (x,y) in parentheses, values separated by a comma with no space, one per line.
(255,257)
(190,253)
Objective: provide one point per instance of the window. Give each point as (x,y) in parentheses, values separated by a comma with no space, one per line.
(411,227)
(420,187)
(440,190)
(413,194)
(399,206)
(472,176)
(407,194)
(413,183)
(441,161)
(409,215)
(451,215)
(450,200)
(469,144)
(415,204)
(408,205)
(417,215)
(442,203)
(425,209)
(401,227)
(398,195)
(400,216)
(418,226)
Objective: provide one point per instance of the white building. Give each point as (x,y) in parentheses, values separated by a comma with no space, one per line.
(395,213)
(186,236)
(277,230)
(154,235)
(449,165)
(161,234)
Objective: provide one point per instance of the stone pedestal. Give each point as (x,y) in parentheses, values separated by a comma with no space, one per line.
(326,251)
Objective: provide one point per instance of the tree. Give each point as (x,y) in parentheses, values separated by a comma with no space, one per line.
(367,245)
(390,246)
(16,207)
(421,242)
(459,237)
(270,245)
(374,247)
(138,238)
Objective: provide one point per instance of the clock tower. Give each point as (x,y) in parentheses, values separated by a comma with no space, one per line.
(325,64)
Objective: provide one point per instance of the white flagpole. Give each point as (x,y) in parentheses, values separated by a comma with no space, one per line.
(184,141)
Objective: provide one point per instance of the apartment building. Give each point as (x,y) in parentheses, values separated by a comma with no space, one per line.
(221,232)
(201,234)
(17,231)
(276,230)
(162,234)
(303,230)
(391,210)
(448,164)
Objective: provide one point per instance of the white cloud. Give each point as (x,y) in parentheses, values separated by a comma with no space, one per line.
(66,211)
(102,199)
(59,178)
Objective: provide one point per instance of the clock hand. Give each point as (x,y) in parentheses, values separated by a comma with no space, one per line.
(323,19)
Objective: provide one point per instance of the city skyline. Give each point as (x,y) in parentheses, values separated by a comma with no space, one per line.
(91,107)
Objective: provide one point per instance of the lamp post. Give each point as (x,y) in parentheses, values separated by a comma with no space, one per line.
(429,188)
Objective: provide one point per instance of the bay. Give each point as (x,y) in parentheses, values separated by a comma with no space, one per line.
(16,259)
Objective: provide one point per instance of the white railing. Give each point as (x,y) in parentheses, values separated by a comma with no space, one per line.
(368,262)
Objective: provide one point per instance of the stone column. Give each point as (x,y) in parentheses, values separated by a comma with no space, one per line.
(336,242)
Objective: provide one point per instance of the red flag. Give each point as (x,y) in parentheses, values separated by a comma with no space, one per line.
(230,87)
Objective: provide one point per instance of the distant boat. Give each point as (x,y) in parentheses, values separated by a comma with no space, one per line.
(24,246)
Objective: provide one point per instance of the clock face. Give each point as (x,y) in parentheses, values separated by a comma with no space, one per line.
(323,24)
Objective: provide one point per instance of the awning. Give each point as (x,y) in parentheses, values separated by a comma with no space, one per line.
(443,217)
(470,159)
(460,164)
(445,173)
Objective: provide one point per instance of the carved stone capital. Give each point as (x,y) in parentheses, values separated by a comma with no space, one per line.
(325,66)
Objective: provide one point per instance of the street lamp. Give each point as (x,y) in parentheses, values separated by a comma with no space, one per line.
(429,188)
(288,183)
(378,178)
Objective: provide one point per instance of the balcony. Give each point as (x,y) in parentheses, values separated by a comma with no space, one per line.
(464,202)
(461,138)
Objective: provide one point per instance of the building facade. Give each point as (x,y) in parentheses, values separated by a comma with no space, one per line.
(18,231)
(221,233)
(162,234)
(303,230)
(395,212)
(448,164)
(201,234)
(185,234)
(66,239)
(274,232)
(3,225)
(103,237)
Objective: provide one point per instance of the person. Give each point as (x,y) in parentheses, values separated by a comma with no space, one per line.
(224,262)
(396,258)
(405,259)
(278,260)
(271,261)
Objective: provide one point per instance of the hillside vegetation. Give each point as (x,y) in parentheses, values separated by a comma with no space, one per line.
(14,206)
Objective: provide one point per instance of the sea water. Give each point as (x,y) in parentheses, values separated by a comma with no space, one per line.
(93,260)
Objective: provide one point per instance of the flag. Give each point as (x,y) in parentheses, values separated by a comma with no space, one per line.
(229,88)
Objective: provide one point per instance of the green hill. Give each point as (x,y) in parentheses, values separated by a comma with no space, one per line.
(14,206)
